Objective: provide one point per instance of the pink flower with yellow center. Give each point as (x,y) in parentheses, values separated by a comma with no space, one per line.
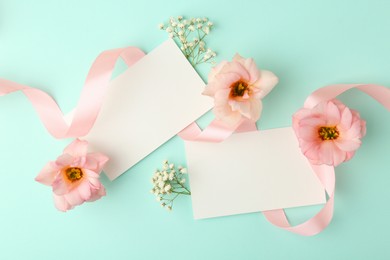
(238,87)
(74,176)
(329,133)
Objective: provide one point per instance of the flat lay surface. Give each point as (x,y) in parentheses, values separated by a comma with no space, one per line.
(308,44)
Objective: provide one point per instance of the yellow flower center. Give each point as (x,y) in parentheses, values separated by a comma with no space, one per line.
(74,174)
(328,133)
(238,89)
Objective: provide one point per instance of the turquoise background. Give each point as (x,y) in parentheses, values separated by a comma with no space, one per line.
(308,44)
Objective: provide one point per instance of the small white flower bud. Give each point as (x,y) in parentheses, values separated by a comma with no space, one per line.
(168,188)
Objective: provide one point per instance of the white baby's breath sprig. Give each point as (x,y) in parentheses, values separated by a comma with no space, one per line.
(190,34)
(168,184)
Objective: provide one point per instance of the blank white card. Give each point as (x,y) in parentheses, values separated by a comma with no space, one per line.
(250,172)
(147,105)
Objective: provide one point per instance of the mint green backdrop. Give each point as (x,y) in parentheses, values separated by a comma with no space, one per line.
(308,44)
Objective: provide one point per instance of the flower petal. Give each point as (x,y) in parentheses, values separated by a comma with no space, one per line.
(332,114)
(326,152)
(60,186)
(234,68)
(348,145)
(256,108)
(84,190)
(73,197)
(46,175)
(60,203)
(64,160)
(230,119)
(250,65)
(97,194)
(77,148)
(339,156)
(309,133)
(346,118)
(266,82)
(95,162)
(215,70)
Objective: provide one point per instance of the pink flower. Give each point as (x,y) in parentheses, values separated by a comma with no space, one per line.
(74,176)
(329,133)
(238,87)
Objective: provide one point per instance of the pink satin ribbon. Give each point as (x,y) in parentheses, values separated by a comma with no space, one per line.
(90,101)
(217,132)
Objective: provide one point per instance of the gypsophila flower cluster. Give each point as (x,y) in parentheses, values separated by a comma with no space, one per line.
(168,184)
(191,34)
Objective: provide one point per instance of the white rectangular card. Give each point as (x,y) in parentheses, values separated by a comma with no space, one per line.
(250,172)
(147,105)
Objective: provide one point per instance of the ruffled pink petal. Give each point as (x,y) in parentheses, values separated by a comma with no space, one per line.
(349,155)
(355,131)
(339,156)
(226,115)
(311,151)
(242,106)
(60,186)
(312,122)
(250,65)
(221,97)
(326,152)
(256,108)
(308,133)
(234,68)
(46,175)
(210,89)
(84,190)
(73,197)
(266,82)
(64,160)
(298,116)
(95,162)
(332,114)
(97,194)
(93,179)
(320,109)
(61,204)
(215,70)
(347,145)
(346,119)
(225,80)
(77,148)
(363,128)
